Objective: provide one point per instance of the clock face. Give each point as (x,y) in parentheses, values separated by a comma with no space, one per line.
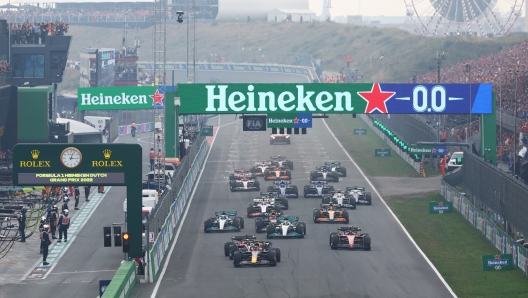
(71,157)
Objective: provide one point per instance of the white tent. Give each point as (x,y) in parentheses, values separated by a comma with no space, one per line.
(281,15)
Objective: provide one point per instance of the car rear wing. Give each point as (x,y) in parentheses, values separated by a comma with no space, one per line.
(245,237)
(335,163)
(230,213)
(242,171)
(314,182)
(353,229)
(355,188)
(287,183)
(290,218)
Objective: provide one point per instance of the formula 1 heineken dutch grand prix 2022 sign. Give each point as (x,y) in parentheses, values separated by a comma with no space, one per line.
(364,98)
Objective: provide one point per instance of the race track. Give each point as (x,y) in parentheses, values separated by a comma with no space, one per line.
(309,268)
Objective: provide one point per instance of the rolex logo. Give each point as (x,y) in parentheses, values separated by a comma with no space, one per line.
(35,153)
(107,153)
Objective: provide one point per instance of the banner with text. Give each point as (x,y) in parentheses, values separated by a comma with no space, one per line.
(290,120)
(121,98)
(365,98)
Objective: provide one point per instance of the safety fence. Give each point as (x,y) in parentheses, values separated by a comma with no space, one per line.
(140,127)
(157,254)
(489,229)
(123,281)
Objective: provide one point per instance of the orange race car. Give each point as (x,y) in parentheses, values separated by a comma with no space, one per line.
(330,214)
(278,173)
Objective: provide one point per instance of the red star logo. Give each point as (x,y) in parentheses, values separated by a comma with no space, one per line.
(376,99)
(440,203)
(295,121)
(434,150)
(157,98)
(497,257)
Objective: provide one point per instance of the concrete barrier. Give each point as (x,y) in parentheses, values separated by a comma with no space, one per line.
(123,281)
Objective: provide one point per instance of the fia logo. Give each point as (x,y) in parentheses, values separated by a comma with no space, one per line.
(254,123)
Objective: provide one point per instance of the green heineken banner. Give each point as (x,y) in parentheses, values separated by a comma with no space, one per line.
(497,262)
(360,131)
(119,98)
(427,149)
(364,98)
(440,207)
(382,152)
(290,120)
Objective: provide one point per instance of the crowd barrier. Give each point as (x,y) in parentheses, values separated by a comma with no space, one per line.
(141,127)
(501,240)
(123,281)
(157,253)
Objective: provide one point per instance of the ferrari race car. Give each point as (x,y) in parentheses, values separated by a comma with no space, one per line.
(262,207)
(244,184)
(256,253)
(335,166)
(262,222)
(259,167)
(279,139)
(339,199)
(350,237)
(317,189)
(359,195)
(284,189)
(277,173)
(286,227)
(281,161)
(224,221)
(330,214)
(242,173)
(323,174)
(278,200)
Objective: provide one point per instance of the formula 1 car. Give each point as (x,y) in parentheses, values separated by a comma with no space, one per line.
(224,221)
(286,227)
(339,199)
(351,238)
(277,199)
(262,207)
(281,161)
(284,189)
(244,184)
(279,139)
(330,214)
(359,194)
(335,166)
(277,173)
(237,241)
(242,173)
(256,253)
(262,222)
(323,174)
(259,167)
(317,189)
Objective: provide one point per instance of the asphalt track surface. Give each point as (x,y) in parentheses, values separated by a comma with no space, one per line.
(78,272)
(309,268)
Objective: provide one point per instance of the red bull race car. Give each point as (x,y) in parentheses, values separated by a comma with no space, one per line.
(350,238)
(284,189)
(256,253)
(317,189)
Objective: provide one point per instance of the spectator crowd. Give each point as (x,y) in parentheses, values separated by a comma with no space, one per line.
(4,68)
(35,33)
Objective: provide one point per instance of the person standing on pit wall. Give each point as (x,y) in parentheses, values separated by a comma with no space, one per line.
(152,154)
(43,221)
(76,193)
(45,240)
(22,224)
(87,193)
(64,224)
(54,221)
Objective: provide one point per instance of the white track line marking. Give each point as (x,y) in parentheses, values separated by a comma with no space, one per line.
(394,215)
(167,261)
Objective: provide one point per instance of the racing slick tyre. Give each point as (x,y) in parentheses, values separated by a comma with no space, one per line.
(232,249)
(207,224)
(269,230)
(306,190)
(236,223)
(241,220)
(366,242)
(232,185)
(271,188)
(290,164)
(301,229)
(336,177)
(295,191)
(249,209)
(316,215)
(272,258)
(313,175)
(226,248)
(288,173)
(285,203)
(277,254)
(334,240)
(277,208)
(231,177)
(345,216)
(331,188)
(259,224)
(343,171)
(326,200)
(368,198)
(237,258)
(266,174)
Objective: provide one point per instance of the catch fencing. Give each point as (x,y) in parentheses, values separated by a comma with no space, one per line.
(485,224)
